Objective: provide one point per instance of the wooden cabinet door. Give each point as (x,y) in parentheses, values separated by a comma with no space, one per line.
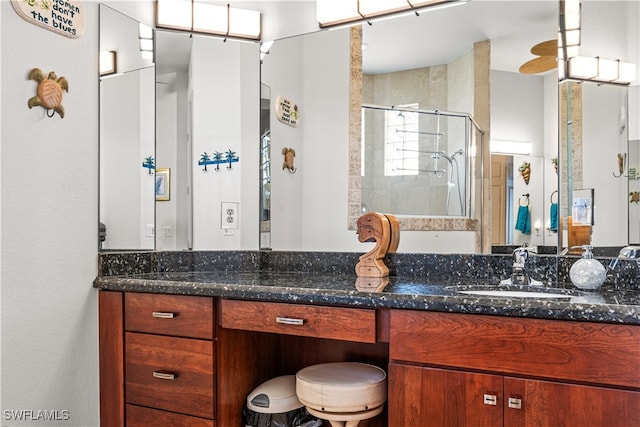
(420,396)
(550,404)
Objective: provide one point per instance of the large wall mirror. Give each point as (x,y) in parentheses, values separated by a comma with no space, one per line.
(179,141)
(207,136)
(599,128)
(392,49)
(127,136)
(311,208)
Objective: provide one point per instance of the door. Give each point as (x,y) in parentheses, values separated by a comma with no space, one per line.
(420,396)
(550,404)
(498,199)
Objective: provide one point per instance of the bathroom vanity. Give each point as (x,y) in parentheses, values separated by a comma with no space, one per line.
(186,347)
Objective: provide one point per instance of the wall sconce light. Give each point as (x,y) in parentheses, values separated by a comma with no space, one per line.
(108,62)
(223,20)
(331,13)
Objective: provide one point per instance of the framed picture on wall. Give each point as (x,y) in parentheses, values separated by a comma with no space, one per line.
(163,179)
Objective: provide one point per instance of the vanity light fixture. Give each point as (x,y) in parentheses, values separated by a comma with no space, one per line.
(599,70)
(265,47)
(201,17)
(498,146)
(331,13)
(581,68)
(145,36)
(569,36)
(108,62)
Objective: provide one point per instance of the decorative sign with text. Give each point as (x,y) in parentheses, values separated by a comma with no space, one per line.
(66,17)
(287,111)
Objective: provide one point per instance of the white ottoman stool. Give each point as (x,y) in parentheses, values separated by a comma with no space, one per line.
(342,393)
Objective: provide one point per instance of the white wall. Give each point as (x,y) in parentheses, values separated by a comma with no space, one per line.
(226,105)
(524,109)
(126,209)
(49,224)
(602,141)
(171,152)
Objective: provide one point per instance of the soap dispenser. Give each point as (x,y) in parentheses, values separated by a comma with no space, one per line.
(587,272)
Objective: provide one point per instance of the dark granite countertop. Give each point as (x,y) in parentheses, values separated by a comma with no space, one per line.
(609,304)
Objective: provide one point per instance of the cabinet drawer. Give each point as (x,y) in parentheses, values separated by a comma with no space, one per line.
(174,374)
(177,315)
(347,324)
(597,353)
(137,416)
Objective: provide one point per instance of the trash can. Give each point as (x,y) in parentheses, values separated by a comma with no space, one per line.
(275,404)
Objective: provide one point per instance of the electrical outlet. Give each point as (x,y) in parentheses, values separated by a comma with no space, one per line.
(229,215)
(167,231)
(151,230)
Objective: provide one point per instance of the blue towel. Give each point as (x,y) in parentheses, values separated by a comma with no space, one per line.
(553,215)
(523,221)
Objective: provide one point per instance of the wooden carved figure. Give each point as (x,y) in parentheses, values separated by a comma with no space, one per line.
(385,231)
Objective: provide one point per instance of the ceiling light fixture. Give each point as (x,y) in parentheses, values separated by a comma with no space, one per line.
(207,18)
(331,13)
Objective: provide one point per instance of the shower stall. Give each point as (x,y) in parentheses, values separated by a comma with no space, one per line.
(418,162)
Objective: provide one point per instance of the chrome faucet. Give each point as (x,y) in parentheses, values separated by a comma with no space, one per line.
(519,275)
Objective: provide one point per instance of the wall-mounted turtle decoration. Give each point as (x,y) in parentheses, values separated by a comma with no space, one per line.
(289,154)
(634,197)
(49,92)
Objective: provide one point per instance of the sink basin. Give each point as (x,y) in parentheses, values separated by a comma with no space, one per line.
(528,292)
(516,294)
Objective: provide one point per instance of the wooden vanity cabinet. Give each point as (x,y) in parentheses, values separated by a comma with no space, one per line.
(173,360)
(167,348)
(468,370)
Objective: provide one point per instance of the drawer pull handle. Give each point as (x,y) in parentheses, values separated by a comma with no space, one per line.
(289,321)
(164,375)
(515,403)
(490,399)
(163,315)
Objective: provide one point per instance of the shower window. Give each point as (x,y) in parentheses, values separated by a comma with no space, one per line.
(417,162)
(401,142)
